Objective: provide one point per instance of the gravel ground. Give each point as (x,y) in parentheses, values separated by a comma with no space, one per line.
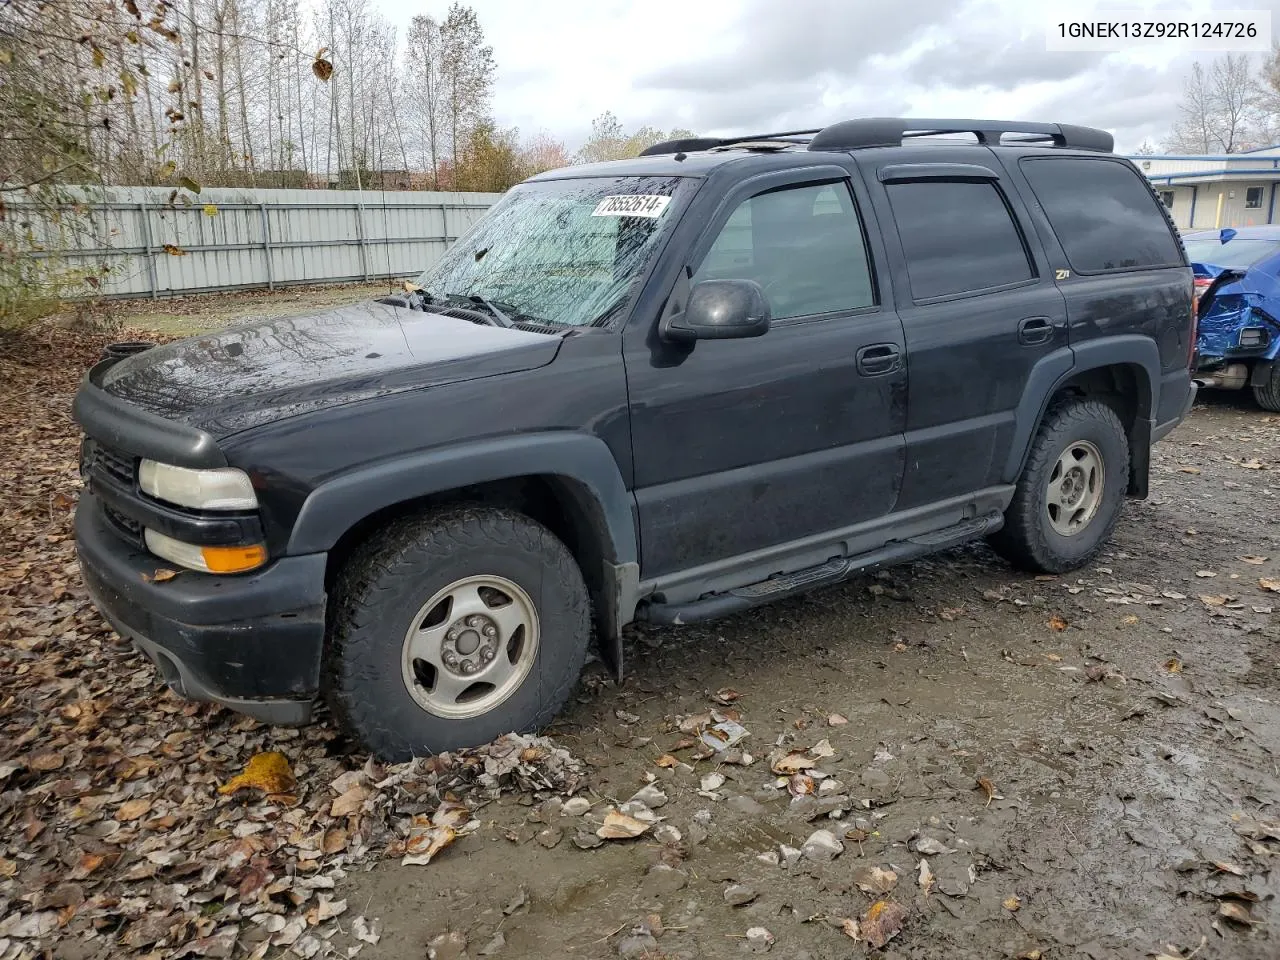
(1084,765)
(1127,718)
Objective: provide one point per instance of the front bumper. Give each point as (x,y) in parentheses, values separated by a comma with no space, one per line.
(251,642)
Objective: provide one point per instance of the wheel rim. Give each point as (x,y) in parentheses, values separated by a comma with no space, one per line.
(1074,491)
(470,647)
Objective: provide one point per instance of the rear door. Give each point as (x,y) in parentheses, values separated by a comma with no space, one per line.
(979,309)
(1119,260)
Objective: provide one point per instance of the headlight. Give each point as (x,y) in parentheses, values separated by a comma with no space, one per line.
(224,488)
(236,559)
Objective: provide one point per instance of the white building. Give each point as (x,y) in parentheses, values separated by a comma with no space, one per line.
(1205,192)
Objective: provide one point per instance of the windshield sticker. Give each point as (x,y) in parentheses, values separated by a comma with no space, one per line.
(632,205)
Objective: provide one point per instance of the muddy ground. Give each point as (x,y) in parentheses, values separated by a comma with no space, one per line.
(1116,796)
(1126,718)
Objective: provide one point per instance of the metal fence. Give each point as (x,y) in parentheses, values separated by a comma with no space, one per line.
(232,239)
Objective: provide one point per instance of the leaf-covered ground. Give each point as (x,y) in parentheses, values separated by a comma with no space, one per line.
(945,759)
(133,823)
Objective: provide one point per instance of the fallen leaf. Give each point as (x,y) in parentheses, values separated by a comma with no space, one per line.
(989,788)
(268,772)
(160,576)
(424,843)
(619,826)
(450,813)
(875,880)
(881,922)
(932,847)
(1012,904)
(666,761)
(1130,620)
(210,209)
(795,762)
(851,929)
(801,785)
(45,762)
(1213,600)
(1254,464)
(1173,665)
(174,250)
(1205,573)
(837,720)
(925,878)
(1268,584)
(1252,559)
(1057,623)
(333,841)
(1236,912)
(349,803)
(1188,469)
(726,696)
(132,810)
(1224,867)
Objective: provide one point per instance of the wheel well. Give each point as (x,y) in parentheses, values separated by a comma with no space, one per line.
(1126,388)
(559,503)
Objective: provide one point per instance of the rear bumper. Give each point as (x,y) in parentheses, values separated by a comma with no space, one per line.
(251,642)
(1184,395)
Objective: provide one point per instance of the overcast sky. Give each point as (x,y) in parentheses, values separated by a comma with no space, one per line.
(740,66)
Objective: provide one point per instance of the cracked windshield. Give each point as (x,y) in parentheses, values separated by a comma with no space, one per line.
(563,252)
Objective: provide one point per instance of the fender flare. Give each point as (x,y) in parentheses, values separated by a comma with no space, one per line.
(1056,368)
(338,504)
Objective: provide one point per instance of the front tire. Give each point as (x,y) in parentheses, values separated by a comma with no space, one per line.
(1267,394)
(453,627)
(1071,491)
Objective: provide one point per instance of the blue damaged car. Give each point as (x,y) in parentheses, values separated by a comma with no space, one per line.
(1237,280)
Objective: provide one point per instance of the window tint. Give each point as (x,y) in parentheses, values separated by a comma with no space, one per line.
(957,237)
(802,245)
(1103,213)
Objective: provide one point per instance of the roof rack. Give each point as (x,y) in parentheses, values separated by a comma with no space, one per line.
(693,144)
(891,131)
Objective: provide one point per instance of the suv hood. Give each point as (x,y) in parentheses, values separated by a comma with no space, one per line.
(257,373)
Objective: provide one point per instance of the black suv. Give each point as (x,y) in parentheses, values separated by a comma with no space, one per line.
(662,389)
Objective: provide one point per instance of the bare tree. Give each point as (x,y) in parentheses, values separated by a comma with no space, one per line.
(467,70)
(1220,110)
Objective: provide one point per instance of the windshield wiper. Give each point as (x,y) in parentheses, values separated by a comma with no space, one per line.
(501,318)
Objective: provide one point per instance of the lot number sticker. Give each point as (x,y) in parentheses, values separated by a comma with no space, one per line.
(632,205)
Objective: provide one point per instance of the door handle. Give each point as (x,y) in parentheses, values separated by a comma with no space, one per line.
(1035,330)
(878,359)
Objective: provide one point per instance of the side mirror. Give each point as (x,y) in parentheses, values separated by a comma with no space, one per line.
(720,310)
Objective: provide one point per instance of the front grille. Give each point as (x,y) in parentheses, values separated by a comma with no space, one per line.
(130,530)
(121,466)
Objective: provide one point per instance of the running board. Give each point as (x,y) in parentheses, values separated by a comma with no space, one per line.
(824,574)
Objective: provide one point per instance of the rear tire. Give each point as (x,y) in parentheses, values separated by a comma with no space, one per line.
(1267,394)
(451,628)
(1071,491)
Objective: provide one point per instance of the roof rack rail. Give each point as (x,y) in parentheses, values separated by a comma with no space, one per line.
(891,131)
(692,144)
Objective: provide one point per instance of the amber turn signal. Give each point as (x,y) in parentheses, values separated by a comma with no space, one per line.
(233,559)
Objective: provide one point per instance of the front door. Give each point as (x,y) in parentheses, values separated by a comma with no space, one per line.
(746,448)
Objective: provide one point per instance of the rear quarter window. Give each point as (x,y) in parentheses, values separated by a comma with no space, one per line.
(1104,214)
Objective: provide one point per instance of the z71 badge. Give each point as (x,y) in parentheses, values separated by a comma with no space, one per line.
(1061,274)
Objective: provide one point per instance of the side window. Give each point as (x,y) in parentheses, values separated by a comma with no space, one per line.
(958,236)
(1105,216)
(1253,198)
(803,245)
